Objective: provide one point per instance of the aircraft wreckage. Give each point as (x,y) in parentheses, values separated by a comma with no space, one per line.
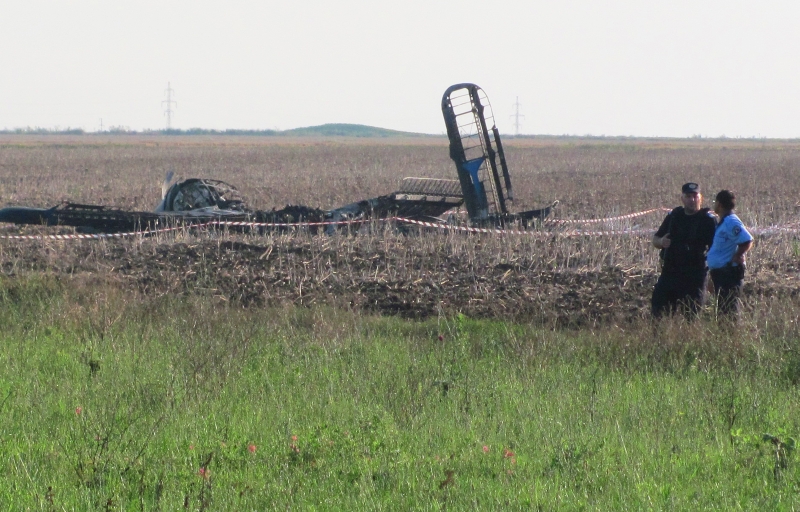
(483,187)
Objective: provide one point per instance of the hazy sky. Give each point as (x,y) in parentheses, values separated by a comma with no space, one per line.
(617,67)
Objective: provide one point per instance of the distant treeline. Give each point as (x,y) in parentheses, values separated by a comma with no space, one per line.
(325,130)
(346,130)
(44,131)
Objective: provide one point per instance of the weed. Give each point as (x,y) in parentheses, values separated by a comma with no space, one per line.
(781,450)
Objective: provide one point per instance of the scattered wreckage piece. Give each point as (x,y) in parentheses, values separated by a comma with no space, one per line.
(103,219)
(198,201)
(417,198)
(193,201)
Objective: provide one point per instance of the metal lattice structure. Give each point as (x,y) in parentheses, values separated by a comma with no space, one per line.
(476,149)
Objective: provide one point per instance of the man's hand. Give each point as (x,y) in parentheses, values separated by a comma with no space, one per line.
(665,241)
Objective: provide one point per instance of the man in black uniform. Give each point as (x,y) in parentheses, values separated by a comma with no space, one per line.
(684,238)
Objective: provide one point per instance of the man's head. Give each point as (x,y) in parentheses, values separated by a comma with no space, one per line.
(691,197)
(724,202)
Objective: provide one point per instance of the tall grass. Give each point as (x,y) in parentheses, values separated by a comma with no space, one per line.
(108,401)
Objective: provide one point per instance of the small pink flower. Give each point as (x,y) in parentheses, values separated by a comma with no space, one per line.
(191,447)
(204,473)
(441,337)
(294,438)
(485,449)
(251,448)
(508,453)
(78,410)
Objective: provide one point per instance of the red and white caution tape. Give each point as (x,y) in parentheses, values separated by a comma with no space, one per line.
(577,232)
(787,228)
(88,236)
(213,223)
(532,233)
(606,219)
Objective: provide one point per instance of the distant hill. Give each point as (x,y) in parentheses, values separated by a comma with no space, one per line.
(348,130)
(324,130)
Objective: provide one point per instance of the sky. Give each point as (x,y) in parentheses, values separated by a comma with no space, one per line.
(676,68)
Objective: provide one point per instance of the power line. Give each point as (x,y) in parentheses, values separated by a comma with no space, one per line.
(169,102)
(516,115)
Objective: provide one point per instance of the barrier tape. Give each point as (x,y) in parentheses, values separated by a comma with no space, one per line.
(787,228)
(536,234)
(150,232)
(606,219)
(578,232)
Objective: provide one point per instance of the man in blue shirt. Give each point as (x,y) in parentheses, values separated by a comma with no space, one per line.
(726,258)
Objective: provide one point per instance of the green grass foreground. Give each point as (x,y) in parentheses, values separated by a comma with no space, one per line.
(112,402)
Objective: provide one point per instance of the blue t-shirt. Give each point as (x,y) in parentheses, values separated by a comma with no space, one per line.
(729,235)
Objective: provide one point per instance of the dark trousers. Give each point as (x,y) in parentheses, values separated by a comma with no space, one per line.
(728,282)
(679,291)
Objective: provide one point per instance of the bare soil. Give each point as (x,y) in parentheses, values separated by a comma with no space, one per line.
(395,275)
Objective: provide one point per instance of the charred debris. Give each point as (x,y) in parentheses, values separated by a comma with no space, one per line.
(483,187)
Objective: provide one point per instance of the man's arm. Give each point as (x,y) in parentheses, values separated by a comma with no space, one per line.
(661,242)
(745,242)
(741,249)
(661,239)
(710,230)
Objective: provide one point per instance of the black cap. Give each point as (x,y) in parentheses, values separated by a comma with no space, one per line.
(690,188)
